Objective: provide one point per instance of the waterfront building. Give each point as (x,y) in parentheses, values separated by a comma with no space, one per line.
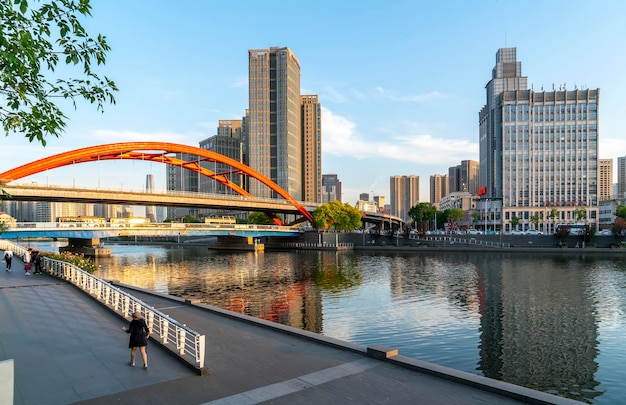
(364,196)
(367,206)
(331,188)
(404,194)
(621,177)
(312,148)
(438,187)
(458,199)
(380,202)
(274,126)
(48,211)
(605,176)
(6,219)
(229,146)
(179,179)
(537,149)
(607,209)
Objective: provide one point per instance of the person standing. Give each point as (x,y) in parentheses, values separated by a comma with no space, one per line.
(36,259)
(26,259)
(138,338)
(8,258)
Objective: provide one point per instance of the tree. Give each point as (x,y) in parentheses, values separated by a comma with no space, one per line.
(335,215)
(620,211)
(535,218)
(33,41)
(259,218)
(475,217)
(455,215)
(515,221)
(554,213)
(581,214)
(421,214)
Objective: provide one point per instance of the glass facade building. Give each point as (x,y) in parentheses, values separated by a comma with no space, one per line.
(538,150)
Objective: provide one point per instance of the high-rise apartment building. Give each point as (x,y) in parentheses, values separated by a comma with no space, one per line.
(621,177)
(605,176)
(312,148)
(464,177)
(404,194)
(274,126)
(331,188)
(438,187)
(537,149)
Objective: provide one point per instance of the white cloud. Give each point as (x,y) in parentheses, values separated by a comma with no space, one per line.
(341,139)
(333,95)
(420,98)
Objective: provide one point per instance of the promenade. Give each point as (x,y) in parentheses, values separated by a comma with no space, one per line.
(68,348)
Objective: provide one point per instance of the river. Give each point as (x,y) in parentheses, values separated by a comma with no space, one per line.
(548,322)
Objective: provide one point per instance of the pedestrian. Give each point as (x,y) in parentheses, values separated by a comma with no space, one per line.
(26,259)
(8,258)
(138,338)
(36,260)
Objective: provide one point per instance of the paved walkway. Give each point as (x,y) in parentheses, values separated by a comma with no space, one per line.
(68,348)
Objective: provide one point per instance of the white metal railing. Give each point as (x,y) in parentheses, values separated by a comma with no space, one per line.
(179,338)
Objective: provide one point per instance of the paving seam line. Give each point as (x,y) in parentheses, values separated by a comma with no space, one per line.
(287,387)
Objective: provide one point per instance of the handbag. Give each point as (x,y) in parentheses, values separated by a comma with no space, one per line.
(27,267)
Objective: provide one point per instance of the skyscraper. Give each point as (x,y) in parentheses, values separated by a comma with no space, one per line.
(312,148)
(438,187)
(151,209)
(621,177)
(537,149)
(331,188)
(274,126)
(605,175)
(404,194)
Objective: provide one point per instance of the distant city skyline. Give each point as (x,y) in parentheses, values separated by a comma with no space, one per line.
(403,100)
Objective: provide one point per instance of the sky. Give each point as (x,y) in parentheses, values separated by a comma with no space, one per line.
(401,83)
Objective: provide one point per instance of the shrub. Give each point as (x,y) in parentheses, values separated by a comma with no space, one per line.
(77,260)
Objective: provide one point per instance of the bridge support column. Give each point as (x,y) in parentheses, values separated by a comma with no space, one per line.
(87,247)
(238,243)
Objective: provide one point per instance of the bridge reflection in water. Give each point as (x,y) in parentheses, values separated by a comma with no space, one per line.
(547,322)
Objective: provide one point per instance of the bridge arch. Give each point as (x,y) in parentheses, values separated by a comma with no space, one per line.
(153,152)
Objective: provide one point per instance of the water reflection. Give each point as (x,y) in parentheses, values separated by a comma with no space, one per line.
(551,323)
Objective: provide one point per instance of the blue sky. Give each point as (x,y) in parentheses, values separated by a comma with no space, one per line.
(401,82)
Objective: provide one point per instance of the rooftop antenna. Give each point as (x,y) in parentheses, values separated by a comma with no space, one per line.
(505,39)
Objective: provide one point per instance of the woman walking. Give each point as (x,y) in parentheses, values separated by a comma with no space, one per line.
(138,338)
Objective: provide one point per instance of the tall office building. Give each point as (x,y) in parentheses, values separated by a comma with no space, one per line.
(151,209)
(312,148)
(331,188)
(605,176)
(464,177)
(621,177)
(438,187)
(537,149)
(229,146)
(404,194)
(274,126)
(379,200)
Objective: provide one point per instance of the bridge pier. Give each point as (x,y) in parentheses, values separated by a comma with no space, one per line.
(87,247)
(248,244)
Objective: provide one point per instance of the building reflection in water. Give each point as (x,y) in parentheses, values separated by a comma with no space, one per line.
(528,320)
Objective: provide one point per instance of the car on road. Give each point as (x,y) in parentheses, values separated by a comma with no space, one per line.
(517,232)
(533,232)
(474,232)
(605,232)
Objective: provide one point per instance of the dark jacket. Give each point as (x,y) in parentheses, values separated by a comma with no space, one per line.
(138,333)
